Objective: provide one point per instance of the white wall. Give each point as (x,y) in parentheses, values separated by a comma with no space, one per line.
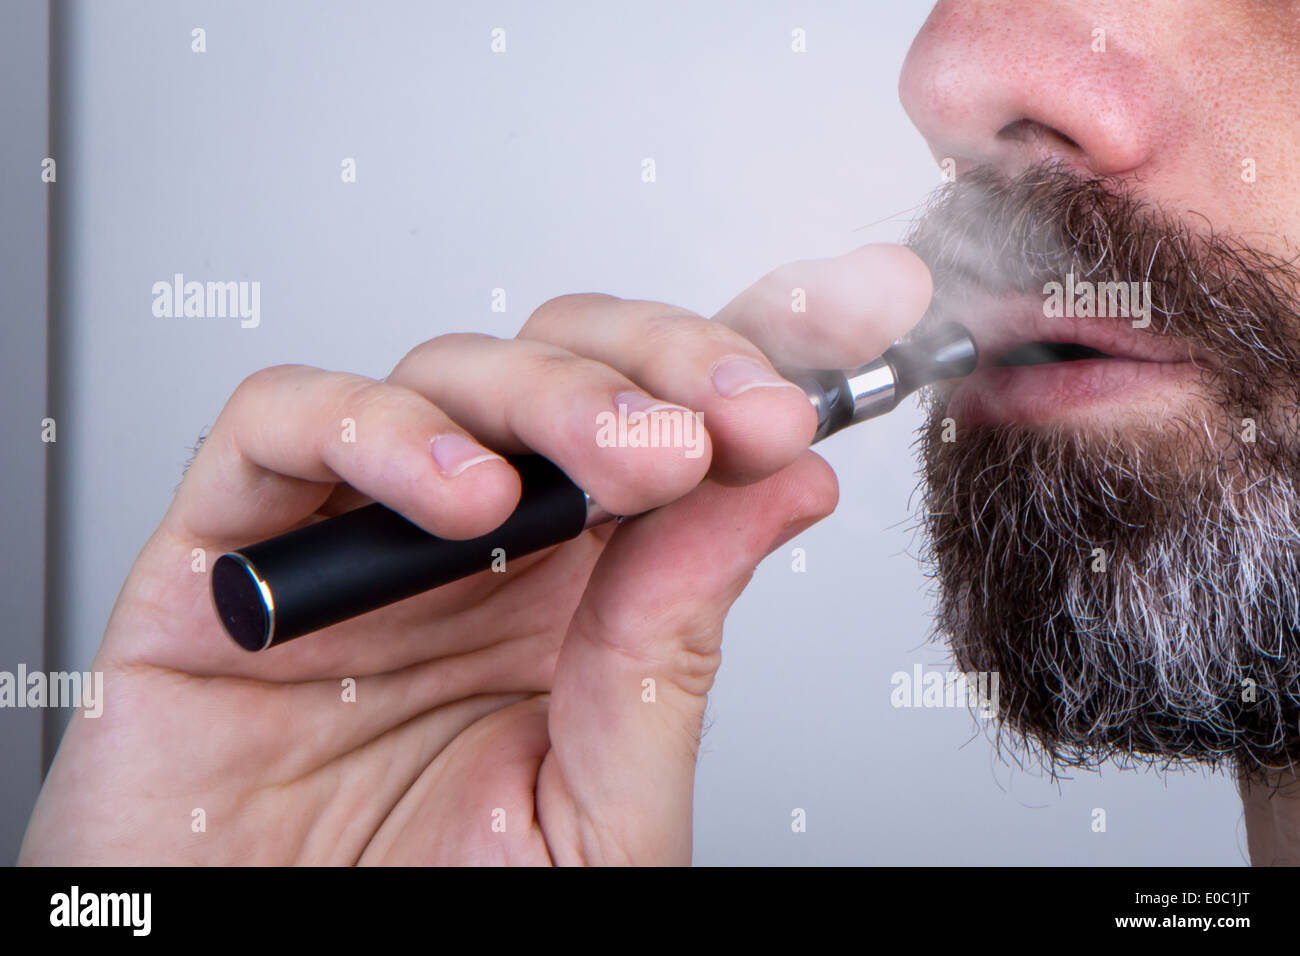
(522,171)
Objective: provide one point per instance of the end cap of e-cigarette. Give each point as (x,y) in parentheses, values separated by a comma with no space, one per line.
(243,602)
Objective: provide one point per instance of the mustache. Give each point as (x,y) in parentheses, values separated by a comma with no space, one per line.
(1236,303)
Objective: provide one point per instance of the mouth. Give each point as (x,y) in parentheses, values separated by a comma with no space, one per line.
(1067,371)
(1044,353)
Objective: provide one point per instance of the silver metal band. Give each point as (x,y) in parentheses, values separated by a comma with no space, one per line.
(872,388)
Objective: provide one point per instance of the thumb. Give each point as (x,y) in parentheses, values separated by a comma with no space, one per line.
(632,678)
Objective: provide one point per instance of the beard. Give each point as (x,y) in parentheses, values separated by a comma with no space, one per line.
(1135,585)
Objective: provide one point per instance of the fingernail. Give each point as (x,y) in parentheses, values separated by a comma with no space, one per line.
(736,376)
(455,453)
(631,402)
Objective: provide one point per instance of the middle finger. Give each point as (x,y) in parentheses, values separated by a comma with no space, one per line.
(759,421)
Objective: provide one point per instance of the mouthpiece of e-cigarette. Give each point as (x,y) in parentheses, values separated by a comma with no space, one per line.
(846,398)
(342,567)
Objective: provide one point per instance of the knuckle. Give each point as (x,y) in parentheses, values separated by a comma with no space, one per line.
(680,637)
(355,396)
(696,667)
(646,309)
(358,396)
(552,366)
(437,346)
(668,333)
(564,307)
(265,379)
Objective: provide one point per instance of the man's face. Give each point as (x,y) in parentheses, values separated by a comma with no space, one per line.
(1112,498)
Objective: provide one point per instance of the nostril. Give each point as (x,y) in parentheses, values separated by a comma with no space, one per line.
(1031,131)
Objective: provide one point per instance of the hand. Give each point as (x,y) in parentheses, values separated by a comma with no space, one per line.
(507,700)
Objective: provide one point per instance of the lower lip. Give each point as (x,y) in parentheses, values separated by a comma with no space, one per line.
(1061,392)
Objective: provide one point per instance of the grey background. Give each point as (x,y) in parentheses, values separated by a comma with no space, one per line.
(24,208)
(522,171)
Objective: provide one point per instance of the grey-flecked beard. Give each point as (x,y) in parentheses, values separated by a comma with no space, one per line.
(1130,605)
(1136,589)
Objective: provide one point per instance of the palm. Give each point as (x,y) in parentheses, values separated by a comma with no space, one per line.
(445,684)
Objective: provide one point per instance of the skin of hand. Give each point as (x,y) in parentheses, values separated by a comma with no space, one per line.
(500,719)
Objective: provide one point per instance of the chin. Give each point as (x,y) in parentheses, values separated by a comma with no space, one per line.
(1136,586)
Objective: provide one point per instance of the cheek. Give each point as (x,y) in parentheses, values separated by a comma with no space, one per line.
(1234,150)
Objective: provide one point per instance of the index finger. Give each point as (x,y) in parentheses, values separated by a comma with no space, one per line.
(290,432)
(833,313)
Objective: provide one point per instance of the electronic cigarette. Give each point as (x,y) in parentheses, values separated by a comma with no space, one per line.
(345,566)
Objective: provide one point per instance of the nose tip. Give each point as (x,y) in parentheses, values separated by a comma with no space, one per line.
(1008,84)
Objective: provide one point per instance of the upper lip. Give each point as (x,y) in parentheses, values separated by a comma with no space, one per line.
(1007,324)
